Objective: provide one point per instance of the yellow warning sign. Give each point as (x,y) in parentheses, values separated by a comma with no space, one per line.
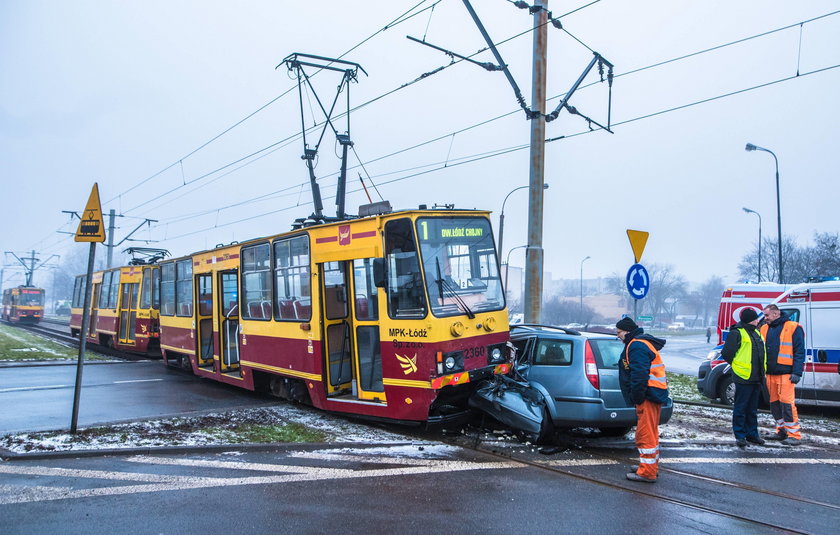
(91,228)
(638,239)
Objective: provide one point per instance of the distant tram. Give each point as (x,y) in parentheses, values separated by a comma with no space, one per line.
(393,316)
(124,309)
(23,304)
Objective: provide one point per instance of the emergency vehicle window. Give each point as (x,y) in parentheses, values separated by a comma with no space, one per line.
(167,289)
(406,295)
(256,282)
(792,313)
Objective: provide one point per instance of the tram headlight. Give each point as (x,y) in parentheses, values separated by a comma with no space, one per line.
(453,362)
(496,354)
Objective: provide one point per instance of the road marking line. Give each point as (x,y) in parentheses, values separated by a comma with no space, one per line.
(696,460)
(19,388)
(138,381)
(185,483)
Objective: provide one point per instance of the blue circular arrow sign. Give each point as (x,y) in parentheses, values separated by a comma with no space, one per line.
(638,281)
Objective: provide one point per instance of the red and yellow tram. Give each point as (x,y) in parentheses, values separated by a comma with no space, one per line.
(123,309)
(23,304)
(392,316)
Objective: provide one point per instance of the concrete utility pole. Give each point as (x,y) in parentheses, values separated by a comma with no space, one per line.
(111,215)
(534,252)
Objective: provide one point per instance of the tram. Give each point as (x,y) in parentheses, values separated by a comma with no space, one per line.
(23,304)
(123,309)
(394,316)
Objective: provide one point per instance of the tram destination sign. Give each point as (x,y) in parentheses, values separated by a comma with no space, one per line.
(460,229)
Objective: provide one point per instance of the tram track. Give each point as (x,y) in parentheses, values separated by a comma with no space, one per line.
(472,443)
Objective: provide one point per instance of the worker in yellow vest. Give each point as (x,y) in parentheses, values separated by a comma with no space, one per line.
(744,351)
(785,342)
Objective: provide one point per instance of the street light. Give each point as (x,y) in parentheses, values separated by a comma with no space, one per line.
(502,219)
(747,210)
(749,148)
(507,266)
(581,286)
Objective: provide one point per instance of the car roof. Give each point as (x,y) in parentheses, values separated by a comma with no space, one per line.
(524,329)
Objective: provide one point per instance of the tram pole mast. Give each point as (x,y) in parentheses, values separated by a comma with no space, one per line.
(111,215)
(534,251)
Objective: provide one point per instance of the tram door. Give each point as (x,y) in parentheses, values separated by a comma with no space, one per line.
(94,308)
(204,320)
(128,312)
(229,321)
(338,328)
(368,359)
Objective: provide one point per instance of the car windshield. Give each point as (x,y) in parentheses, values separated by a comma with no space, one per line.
(459,261)
(607,351)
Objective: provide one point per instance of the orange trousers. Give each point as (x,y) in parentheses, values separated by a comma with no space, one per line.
(647,438)
(783,406)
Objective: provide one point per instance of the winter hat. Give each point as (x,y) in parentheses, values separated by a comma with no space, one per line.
(626,324)
(748,315)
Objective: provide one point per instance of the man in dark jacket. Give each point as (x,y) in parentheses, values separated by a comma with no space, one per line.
(641,374)
(744,351)
(785,343)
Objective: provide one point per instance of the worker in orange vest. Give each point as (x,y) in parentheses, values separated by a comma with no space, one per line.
(641,375)
(785,342)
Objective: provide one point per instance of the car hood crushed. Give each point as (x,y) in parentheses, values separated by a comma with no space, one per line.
(513,403)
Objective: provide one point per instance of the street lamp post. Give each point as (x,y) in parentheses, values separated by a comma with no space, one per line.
(507,266)
(581,287)
(502,220)
(747,210)
(750,147)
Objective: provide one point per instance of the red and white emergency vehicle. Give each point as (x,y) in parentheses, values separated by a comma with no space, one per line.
(815,306)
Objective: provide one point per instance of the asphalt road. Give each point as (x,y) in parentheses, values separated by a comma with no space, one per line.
(683,354)
(40,397)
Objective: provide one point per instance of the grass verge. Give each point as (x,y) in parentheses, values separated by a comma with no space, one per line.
(17,345)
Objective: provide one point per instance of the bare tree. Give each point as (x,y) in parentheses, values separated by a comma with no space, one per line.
(667,289)
(800,263)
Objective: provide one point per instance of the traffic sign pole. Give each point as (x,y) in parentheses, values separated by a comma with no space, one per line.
(82,340)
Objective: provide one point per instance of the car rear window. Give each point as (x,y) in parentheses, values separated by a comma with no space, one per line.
(553,353)
(607,351)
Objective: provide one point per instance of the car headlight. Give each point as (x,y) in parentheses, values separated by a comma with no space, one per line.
(713,354)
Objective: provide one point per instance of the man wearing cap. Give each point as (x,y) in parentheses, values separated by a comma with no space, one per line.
(641,375)
(744,351)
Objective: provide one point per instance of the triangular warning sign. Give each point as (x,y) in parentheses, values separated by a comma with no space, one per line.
(638,239)
(91,228)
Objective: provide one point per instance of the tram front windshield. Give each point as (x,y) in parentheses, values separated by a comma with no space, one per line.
(459,261)
(32,298)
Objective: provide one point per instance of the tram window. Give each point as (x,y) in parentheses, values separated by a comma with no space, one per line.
(167,289)
(256,282)
(335,290)
(115,289)
(406,297)
(78,292)
(146,292)
(105,289)
(366,300)
(292,291)
(183,288)
(155,287)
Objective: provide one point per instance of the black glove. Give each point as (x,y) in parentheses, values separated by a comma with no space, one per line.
(794,378)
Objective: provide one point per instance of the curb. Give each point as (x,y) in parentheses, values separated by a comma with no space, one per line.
(7,455)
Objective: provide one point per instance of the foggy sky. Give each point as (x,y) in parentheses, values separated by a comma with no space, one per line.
(114,92)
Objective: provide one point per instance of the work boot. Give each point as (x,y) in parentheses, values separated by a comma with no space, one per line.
(741,443)
(633,476)
(779,435)
(756,440)
(790,441)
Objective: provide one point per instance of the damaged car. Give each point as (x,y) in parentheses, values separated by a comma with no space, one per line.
(562,378)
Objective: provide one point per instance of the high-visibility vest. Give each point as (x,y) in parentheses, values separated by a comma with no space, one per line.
(742,363)
(656,376)
(785,357)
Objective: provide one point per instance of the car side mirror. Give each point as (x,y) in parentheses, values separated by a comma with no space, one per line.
(380,276)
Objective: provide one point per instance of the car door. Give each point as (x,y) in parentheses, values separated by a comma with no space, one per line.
(607,352)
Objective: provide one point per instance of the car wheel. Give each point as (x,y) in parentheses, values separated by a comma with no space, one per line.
(615,431)
(546,430)
(726,391)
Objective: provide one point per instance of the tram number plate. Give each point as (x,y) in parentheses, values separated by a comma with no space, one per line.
(472,352)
